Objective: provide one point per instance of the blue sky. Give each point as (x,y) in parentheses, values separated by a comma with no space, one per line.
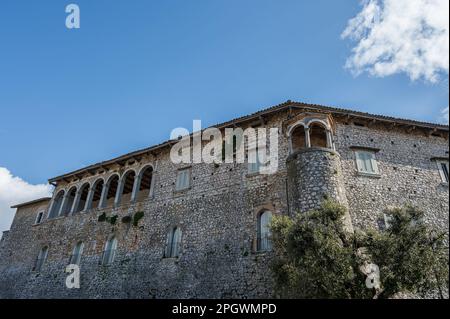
(137,69)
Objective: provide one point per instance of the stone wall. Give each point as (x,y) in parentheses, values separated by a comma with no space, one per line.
(218,218)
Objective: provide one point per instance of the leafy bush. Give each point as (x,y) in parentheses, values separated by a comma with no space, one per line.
(315,257)
(137,217)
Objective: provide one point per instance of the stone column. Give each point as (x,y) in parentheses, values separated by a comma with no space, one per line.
(103,195)
(50,208)
(151,192)
(119,191)
(136,185)
(329,139)
(75,202)
(307,138)
(88,203)
(64,202)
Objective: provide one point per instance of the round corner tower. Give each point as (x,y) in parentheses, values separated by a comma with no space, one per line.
(314,171)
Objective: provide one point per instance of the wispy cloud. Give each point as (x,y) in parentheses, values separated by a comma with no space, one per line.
(400,36)
(444,116)
(14,190)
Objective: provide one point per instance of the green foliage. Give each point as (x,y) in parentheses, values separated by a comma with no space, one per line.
(102,217)
(316,258)
(126,219)
(112,220)
(137,217)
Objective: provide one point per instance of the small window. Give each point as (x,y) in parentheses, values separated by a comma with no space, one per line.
(109,252)
(75,258)
(264,242)
(183,179)
(254,167)
(42,257)
(366,162)
(39,218)
(443,170)
(173,243)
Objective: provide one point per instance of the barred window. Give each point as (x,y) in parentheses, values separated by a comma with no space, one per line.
(109,252)
(75,258)
(173,243)
(42,257)
(264,242)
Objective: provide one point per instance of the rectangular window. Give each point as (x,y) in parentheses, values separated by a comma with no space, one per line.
(39,218)
(443,170)
(366,162)
(183,179)
(255,167)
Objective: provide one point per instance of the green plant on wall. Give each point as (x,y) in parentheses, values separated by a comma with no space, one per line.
(102,217)
(137,217)
(126,219)
(315,256)
(113,219)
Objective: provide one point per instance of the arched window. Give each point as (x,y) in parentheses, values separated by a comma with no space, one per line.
(56,206)
(145,183)
(109,252)
(69,201)
(128,183)
(98,188)
(318,135)
(75,258)
(112,185)
(264,242)
(40,260)
(84,192)
(173,243)
(298,138)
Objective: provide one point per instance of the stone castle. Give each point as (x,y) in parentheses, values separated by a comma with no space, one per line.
(140,226)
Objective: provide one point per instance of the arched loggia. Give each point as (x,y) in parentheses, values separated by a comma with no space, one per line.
(97,188)
(144,183)
(318,135)
(56,204)
(84,192)
(126,187)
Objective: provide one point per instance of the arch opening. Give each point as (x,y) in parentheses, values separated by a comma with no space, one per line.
(84,191)
(69,201)
(57,202)
(318,135)
(145,183)
(113,184)
(264,235)
(98,188)
(298,138)
(128,184)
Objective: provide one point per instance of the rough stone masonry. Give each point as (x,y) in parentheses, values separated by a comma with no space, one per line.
(136,233)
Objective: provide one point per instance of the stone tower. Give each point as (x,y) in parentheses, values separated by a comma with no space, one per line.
(314,167)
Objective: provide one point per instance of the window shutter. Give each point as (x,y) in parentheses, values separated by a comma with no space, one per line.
(177,241)
(359,162)
(374,164)
(168,244)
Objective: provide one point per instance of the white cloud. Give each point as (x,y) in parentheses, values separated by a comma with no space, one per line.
(444,116)
(14,190)
(400,36)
